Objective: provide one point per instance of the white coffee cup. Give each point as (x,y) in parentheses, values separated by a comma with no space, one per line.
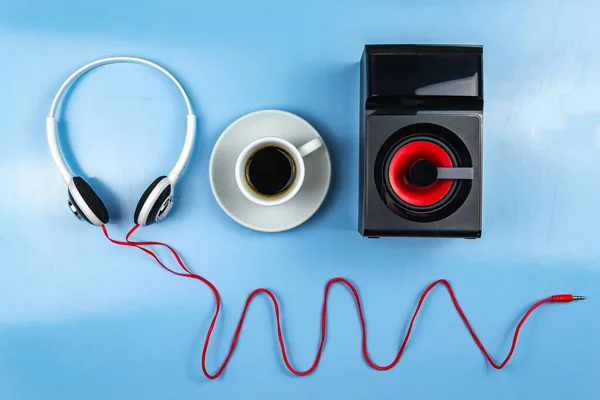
(297,154)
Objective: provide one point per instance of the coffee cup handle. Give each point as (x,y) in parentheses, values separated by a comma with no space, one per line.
(311,146)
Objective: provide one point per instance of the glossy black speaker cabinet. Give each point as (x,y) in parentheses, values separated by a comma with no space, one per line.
(421,113)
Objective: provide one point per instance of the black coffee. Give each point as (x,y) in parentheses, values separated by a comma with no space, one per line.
(270,171)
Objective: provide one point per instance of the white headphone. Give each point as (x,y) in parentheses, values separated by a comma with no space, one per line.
(157,200)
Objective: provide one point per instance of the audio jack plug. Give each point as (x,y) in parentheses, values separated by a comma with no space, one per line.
(565,298)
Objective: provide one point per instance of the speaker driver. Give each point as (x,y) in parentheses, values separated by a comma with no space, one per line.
(402,165)
(406,172)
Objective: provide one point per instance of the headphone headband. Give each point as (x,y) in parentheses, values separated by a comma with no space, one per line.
(51,126)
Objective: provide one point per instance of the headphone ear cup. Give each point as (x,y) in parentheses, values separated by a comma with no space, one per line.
(155,203)
(85,203)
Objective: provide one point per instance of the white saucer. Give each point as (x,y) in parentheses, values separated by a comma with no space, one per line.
(222,171)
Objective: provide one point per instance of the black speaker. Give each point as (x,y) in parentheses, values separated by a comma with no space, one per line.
(421,119)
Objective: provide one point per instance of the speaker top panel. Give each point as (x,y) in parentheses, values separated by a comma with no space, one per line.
(425,74)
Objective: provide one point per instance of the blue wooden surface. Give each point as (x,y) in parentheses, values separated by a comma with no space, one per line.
(83,319)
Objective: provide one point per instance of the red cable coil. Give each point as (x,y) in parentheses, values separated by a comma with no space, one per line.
(189,274)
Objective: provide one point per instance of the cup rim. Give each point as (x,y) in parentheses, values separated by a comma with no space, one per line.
(240,171)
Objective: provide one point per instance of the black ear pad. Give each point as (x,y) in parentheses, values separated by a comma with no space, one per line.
(86,202)
(153,200)
(153,216)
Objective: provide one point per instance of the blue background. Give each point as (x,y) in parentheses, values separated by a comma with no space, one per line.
(81,318)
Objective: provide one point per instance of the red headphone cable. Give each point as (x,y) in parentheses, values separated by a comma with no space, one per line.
(561,298)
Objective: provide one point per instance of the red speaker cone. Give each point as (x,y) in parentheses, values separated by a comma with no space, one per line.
(400,164)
